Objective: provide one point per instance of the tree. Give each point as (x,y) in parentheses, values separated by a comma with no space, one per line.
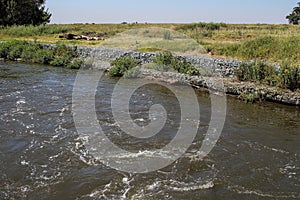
(23,12)
(294,17)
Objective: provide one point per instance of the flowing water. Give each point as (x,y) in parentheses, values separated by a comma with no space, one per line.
(42,156)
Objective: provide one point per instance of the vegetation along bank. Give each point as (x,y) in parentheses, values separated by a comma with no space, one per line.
(250,81)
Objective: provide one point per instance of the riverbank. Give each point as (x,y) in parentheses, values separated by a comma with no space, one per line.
(246,91)
(212,70)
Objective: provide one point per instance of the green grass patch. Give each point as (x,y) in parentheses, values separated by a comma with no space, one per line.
(122,65)
(267,48)
(60,55)
(146,50)
(179,64)
(286,77)
(30,30)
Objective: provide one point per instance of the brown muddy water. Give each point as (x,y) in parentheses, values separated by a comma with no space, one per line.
(42,156)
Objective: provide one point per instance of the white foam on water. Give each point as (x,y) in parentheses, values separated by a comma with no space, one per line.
(20,102)
(126,156)
(259,147)
(187,188)
(105,192)
(179,186)
(24,162)
(290,170)
(126,181)
(273,195)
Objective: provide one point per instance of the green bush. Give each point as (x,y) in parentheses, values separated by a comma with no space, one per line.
(76,64)
(43,56)
(29,52)
(121,65)
(287,77)
(12,50)
(63,50)
(271,76)
(15,52)
(207,33)
(244,72)
(4,50)
(290,77)
(133,73)
(179,64)
(257,71)
(61,55)
(167,35)
(60,61)
(165,58)
(157,67)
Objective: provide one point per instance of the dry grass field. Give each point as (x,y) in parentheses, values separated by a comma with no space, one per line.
(260,42)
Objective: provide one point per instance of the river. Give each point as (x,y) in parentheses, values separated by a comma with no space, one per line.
(42,156)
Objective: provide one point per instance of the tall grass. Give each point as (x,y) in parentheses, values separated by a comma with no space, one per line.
(262,42)
(266,48)
(25,31)
(202,25)
(286,77)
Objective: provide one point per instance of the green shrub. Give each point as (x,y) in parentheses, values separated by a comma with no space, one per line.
(260,71)
(157,67)
(287,77)
(179,64)
(254,72)
(4,50)
(290,77)
(121,65)
(15,52)
(29,52)
(12,50)
(207,33)
(43,56)
(63,50)
(244,72)
(167,35)
(165,58)
(60,61)
(133,73)
(63,55)
(76,63)
(271,76)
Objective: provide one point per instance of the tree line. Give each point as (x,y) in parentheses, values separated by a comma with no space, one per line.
(33,12)
(23,12)
(294,17)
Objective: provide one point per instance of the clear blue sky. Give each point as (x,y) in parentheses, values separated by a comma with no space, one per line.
(170,11)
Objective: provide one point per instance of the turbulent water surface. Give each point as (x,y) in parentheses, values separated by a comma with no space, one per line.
(42,156)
